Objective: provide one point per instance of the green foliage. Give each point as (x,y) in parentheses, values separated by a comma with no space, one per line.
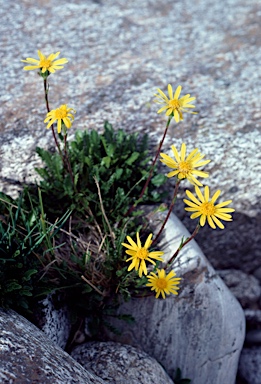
(119,163)
(97,179)
(22,244)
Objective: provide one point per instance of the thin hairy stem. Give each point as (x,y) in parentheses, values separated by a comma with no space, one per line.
(152,166)
(48,110)
(174,198)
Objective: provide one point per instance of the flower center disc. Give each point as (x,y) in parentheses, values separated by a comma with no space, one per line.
(174,104)
(207,209)
(60,113)
(184,167)
(45,63)
(161,283)
(142,253)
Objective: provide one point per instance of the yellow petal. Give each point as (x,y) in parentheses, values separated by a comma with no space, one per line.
(59,125)
(215,196)
(175,153)
(162,94)
(177,92)
(206,193)
(202,220)
(170,91)
(211,222)
(138,240)
(176,115)
(183,151)
(197,214)
(134,245)
(192,197)
(199,194)
(53,56)
(30,67)
(218,222)
(148,241)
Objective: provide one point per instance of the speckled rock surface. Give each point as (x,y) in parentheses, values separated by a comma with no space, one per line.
(27,356)
(250,365)
(245,287)
(201,330)
(120,364)
(53,319)
(119,53)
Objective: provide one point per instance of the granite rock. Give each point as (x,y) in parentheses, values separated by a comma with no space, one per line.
(119,53)
(53,319)
(253,337)
(253,317)
(27,356)
(245,287)
(201,330)
(250,365)
(120,364)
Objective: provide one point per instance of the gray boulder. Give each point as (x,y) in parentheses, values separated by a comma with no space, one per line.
(201,330)
(120,364)
(244,286)
(250,365)
(28,356)
(53,319)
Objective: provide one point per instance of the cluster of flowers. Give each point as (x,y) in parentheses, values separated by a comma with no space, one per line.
(202,207)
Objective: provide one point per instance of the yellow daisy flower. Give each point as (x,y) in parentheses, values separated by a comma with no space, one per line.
(140,254)
(184,167)
(172,104)
(62,115)
(163,284)
(205,208)
(45,63)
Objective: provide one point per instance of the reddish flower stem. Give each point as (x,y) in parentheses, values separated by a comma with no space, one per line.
(182,245)
(65,157)
(152,167)
(48,110)
(174,198)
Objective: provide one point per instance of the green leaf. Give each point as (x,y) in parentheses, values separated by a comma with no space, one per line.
(87,288)
(134,156)
(158,180)
(28,274)
(25,292)
(12,286)
(118,173)
(106,161)
(110,150)
(76,178)
(87,161)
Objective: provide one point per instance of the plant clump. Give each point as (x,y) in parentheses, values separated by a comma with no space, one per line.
(67,233)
